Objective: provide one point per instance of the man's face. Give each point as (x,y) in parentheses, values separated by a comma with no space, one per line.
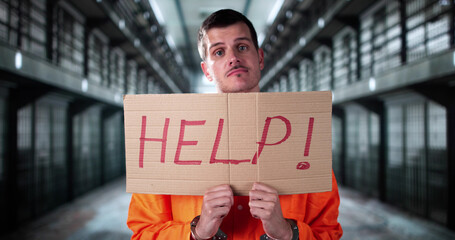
(232,60)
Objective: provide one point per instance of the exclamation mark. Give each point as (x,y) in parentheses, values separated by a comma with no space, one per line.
(308,137)
(306,165)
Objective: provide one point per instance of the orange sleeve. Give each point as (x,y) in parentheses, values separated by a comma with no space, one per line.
(321,215)
(150,217)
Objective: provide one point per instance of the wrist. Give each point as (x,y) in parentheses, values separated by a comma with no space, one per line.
(294,229)
(220,235)
(291,228)
(289,231)
(196,237)
(193,225)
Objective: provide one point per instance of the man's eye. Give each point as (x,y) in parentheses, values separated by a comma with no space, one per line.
(219,53)
(242,48)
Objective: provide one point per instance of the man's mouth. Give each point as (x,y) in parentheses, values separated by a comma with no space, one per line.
(237,70)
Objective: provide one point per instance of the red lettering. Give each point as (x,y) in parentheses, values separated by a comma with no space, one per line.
(216,144)
(142,140)
(308,137)
(213,159)
(306,165)
(303,165)
(186,143)
(263,143)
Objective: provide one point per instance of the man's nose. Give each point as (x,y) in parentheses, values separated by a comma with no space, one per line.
(233,58)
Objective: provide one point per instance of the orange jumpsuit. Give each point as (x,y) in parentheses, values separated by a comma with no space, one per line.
(169,216)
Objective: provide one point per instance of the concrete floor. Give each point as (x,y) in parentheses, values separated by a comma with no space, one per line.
(102,214)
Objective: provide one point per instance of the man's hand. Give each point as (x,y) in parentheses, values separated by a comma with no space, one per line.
(265,205)
(215,206)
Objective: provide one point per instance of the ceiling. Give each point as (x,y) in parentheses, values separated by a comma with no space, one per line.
(181,20)
(161,35)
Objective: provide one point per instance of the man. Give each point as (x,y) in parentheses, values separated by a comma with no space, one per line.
(227,43)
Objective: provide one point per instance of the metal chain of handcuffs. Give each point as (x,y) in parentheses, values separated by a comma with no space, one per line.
(220,235)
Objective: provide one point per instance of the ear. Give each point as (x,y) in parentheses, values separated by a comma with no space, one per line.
(206,72)
(261,58)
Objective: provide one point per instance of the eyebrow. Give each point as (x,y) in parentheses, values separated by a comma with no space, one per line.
(216,44)
(236,40)
(242,39)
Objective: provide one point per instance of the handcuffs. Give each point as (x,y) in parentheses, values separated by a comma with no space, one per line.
(220,235)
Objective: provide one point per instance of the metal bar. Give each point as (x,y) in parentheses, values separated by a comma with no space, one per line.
(33,164)
(11,159)
(426,134)
(19,24)
(341,114)
(102,145)
(452,23)
(451,162)
(71,112)
(185,31)
(404,31)
(382,184)
(246,8)
(87,30)
(49,27)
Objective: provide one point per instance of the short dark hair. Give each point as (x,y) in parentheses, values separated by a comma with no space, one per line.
(222,18)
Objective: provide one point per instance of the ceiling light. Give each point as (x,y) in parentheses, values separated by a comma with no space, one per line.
(372,84)
(159,39)
(280,27)
(137,42)
(146,15)
(18,60)
(153,28)
(289,55)
(273,38)
(118,97)
(288,14)
(179,59)
(274,12)
(170,41)
(321,22)
(157,12)
(302,41)
(261,38)
(84,85)
(121,24)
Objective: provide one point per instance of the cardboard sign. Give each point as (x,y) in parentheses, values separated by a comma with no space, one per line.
(183,144)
